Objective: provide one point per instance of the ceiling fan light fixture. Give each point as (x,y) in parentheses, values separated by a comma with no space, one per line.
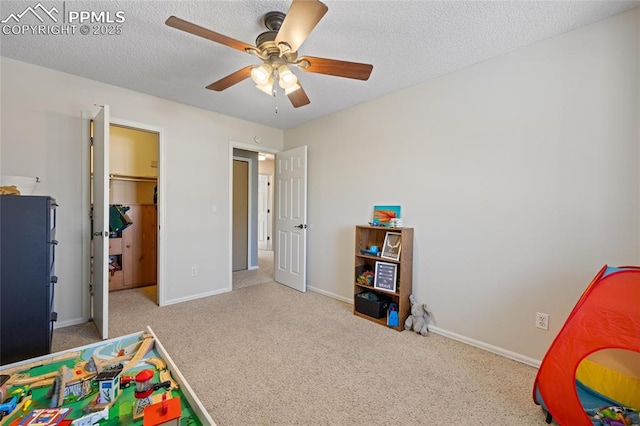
(267,87)
(286,78)
(277,48)
(261,74)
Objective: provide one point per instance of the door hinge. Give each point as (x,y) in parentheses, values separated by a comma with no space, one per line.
(91,132)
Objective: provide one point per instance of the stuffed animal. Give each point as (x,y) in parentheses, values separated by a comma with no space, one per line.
(419,318)
(9,190)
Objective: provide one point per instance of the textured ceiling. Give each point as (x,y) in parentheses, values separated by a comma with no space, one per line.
(408,42)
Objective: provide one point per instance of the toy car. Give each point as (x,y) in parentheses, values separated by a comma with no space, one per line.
(8,406)
(126,381)
(12,402)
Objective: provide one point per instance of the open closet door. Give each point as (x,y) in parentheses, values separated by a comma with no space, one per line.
(100,235)
(291,218)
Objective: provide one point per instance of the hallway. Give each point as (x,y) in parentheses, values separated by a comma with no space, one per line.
(263,274)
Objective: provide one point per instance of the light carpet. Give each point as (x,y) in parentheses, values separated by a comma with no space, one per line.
(263,274)
(269,355)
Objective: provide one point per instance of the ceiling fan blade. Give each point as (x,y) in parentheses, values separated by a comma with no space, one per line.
(301,19)
(298,97)
(231,79)
(194,29)
(336,68)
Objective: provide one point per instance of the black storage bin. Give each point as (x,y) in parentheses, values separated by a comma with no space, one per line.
(371,307)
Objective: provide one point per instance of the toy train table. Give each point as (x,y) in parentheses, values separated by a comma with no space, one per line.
(126,380)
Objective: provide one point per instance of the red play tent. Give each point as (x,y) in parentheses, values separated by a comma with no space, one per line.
(605,323)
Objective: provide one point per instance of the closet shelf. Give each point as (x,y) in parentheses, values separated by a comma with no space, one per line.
(132,178)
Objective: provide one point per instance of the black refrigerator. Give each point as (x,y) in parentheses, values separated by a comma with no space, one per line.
(27,276)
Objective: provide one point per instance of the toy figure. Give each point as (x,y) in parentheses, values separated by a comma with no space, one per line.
(144,389)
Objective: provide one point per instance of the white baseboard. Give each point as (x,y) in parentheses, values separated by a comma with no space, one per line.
(68,323)
(487,347)
(437,330)
(196,296)
(329,294)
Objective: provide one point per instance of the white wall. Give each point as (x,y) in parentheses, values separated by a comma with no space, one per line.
(519,175)
(41,136)
(132,152)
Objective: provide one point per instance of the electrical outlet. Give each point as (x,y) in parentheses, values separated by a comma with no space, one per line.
(542,321)
(194,271)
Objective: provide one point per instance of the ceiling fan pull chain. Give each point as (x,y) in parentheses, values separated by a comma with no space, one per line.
(275,99)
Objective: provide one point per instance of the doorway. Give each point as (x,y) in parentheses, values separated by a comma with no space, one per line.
(290,227)
(133,188)
(251,216)
(265,201)
(96,223)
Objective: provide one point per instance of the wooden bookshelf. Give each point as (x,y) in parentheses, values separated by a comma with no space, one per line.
(365,237)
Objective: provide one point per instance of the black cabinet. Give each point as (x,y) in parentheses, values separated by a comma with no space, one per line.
(27,276)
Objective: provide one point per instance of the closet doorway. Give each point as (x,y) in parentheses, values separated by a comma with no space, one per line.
(133,210)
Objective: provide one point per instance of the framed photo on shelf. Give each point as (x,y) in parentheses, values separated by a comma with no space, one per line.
(382,215)
(385,277)
(392,245)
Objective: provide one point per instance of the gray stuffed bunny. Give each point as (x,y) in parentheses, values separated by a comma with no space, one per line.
(419,318)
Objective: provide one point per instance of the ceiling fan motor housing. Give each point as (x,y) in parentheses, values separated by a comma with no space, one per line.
(266,41)
(273,20)
(265,37)
(270,52)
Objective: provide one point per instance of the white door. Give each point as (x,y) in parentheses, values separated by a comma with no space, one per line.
(100,235)
(264,210)
(291,218)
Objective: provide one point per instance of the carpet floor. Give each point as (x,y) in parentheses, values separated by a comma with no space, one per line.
(269,355)
(263,274)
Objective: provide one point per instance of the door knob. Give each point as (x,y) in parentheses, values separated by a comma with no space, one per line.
(301,226)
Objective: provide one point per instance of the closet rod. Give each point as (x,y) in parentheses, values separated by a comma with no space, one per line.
(133,178)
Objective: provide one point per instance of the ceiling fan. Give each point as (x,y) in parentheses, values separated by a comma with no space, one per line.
(278,50)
